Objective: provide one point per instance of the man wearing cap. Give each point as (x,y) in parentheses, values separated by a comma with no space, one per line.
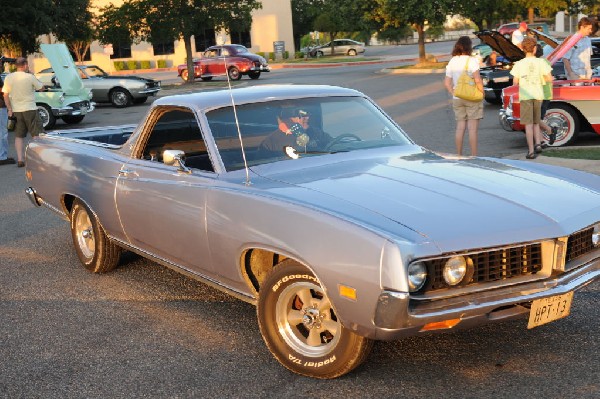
(295,131)
(519,34)
(577,61)
(19,96)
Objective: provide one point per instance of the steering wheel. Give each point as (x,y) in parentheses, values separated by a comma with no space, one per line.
(341,138)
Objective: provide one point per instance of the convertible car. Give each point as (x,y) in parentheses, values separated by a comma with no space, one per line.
(314,205)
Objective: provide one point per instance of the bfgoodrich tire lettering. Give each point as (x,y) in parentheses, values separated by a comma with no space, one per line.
(300,326)
(95,251)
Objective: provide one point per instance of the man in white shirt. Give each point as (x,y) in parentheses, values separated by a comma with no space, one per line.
(519,34)
(19,96)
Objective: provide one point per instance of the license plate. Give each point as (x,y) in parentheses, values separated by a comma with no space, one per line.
(549,309)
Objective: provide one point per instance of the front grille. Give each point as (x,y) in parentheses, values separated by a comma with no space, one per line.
(492,265)
(580,243)
(80,104)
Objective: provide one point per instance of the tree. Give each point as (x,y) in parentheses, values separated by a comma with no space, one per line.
(73,25)
(304,14)
(24,21)
(414,12)
(484,12)
(338,16)
(158,21)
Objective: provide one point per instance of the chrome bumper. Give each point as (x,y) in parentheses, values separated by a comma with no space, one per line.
(397,315)
(507,121)
(69,110)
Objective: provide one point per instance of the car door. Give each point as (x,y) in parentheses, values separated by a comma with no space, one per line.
(214,62)
(163,209)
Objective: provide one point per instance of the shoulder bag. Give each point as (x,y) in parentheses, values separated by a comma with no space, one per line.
(466,87)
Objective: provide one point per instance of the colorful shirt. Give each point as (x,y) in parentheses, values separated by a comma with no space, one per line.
(531,72)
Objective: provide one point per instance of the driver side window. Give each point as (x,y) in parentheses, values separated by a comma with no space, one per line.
(178,129)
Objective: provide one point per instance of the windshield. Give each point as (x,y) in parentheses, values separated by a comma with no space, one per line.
(295,129)
(93,71)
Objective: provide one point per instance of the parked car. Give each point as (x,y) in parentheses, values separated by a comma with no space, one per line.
(359,236)
(340,47)
(575,107)
(71,103)
(506,30)
(120,90)
(234,60)
(497,77)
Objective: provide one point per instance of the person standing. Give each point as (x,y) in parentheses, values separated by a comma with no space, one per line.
(577,61)
(19,96)
(531,74)
(467,113)
(518,35)
(4,159)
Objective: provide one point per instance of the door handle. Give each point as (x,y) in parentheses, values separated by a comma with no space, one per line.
(127,172)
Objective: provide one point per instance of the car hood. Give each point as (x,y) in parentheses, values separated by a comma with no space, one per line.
(131,77)
(501,45)
(476,202)
(65,69)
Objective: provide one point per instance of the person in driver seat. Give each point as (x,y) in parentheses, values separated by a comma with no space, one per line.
(294,130)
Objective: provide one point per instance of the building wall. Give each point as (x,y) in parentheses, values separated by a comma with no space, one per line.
(271,23)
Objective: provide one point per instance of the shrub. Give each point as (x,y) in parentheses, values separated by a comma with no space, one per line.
(119,65)
(262,54)
(161,63)
(286,55)
(145,64)
(272,56)
(132,65)
(299,54)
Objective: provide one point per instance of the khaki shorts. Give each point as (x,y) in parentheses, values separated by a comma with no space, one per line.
(28,121)
(467,110)
(531,112)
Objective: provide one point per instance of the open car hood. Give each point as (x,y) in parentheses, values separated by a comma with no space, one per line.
(64,68)
(501,45)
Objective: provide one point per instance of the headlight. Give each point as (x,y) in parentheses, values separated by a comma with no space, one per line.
(458,269)
(417,274)
(596,235)
(485,81)
(61,98)
(90,95)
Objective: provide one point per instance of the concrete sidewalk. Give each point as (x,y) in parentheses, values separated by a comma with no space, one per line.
(585,165)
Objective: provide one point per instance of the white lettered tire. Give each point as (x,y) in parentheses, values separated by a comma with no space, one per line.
(566,119)
(300,326)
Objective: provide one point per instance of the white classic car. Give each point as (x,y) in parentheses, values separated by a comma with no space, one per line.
(311,203)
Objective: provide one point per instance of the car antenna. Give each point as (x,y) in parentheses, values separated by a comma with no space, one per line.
(237,122)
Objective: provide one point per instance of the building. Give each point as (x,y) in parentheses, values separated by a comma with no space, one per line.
(272,23)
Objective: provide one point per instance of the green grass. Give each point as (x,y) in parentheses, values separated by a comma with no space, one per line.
(424,65)
(579,153)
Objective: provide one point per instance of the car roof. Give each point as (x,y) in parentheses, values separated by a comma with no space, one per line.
(255,94)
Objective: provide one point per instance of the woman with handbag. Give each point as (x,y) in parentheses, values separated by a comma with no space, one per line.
(464,83)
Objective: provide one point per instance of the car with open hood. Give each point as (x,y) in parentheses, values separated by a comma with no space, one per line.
(71,102)
(575,105)
(497,77)
(233,60)
(119,90)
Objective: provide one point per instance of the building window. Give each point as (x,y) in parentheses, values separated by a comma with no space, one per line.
(164,48)
(204,40)
(242,38)
(121,50)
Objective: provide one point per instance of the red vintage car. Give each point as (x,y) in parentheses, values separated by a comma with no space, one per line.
(575,106)
(234,60)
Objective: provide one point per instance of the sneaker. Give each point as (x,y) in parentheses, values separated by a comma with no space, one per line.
(552,136)
(7,161)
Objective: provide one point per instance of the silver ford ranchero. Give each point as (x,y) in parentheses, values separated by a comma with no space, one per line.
(312,204)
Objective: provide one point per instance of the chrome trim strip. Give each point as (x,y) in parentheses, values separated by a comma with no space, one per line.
(180,269)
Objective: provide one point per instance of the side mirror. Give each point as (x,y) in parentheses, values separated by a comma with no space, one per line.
(176,158)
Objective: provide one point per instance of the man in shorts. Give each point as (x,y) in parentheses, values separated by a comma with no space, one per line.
(19,96)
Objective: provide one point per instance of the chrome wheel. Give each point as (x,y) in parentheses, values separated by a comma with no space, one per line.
(84,232)
(120,98)
(306,320)
(184,75)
